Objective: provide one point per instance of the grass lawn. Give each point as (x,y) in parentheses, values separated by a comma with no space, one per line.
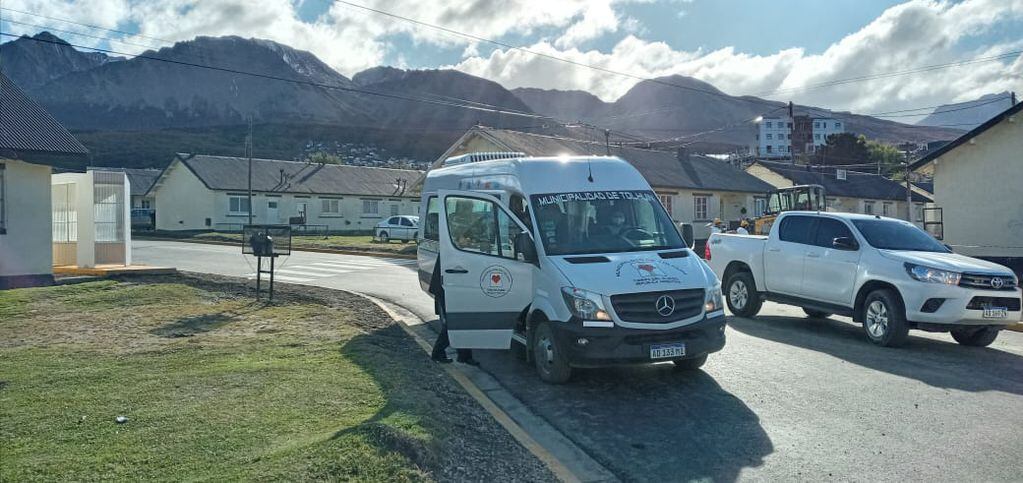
(338,242)
(216,386)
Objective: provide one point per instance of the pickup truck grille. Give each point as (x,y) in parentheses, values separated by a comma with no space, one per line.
(643,307)
(988,282)
(980,303)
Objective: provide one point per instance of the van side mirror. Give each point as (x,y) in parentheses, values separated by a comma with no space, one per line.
(688,235)
(525,247)
(845,243)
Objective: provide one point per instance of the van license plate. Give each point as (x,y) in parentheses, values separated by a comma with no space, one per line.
(995,313)
(662,351)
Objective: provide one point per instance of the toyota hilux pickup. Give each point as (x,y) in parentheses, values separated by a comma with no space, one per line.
(886,274)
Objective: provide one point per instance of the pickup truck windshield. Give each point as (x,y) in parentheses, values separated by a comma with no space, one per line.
(575,223)
(898,235)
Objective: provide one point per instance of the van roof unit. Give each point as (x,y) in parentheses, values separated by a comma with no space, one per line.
(477,157)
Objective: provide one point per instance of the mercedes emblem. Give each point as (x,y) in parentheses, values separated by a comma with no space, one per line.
(665,305)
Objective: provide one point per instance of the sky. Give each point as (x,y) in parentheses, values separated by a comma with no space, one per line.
(780,50)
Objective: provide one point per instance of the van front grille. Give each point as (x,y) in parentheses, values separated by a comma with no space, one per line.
(644,307)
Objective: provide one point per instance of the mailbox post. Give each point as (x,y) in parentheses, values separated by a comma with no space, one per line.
(266,241)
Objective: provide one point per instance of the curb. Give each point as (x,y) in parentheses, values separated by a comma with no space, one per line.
(315,250)
(568,462)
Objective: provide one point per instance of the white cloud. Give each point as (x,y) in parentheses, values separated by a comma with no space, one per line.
(913,34)
(919,32)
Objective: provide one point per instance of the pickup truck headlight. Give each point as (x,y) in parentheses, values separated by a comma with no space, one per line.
(585,304)
(714,302)
(932,275)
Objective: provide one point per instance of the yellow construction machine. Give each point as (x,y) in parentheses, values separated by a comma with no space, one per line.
(807,197)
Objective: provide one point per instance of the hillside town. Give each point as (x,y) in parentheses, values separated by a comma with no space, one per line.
(428,242)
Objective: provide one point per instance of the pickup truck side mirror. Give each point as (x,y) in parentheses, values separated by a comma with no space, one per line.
(525,247)
(688,236)
(845,243)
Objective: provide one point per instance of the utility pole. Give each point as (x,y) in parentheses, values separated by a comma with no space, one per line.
(909,190)
(248,151)
(607,140)
(1012,97)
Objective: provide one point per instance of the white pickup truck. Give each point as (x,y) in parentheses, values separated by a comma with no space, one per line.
(885,273)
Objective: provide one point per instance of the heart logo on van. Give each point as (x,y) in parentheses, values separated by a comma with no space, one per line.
(495,278)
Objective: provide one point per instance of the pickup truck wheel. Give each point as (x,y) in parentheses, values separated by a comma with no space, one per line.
(547,357)
(884,321)
(741,295)
(981,337)
(690,364)
(817,314)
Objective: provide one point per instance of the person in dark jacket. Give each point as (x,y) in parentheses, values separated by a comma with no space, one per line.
(440,346)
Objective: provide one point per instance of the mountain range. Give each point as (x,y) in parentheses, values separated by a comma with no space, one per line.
(200,95)
(970,114)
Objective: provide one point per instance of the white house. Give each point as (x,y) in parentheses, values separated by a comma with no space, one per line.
(28,132)
(201,192)
(693,189)
(978,187)
(847,191)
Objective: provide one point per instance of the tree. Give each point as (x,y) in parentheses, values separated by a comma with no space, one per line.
(885,156)
(324,158)
(842,149)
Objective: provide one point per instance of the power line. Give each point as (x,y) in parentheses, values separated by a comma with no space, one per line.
(133,34)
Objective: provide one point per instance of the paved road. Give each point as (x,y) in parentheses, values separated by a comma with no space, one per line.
(788,397)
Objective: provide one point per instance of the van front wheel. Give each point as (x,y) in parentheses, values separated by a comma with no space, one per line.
(547,356)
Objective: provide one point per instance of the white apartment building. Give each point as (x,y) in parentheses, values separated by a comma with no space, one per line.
(774,137)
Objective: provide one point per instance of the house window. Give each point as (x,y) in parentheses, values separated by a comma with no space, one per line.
(700,207)
(886,209)
(371,207)
(770,136)
(868,207)
(817,137)
(3,199)
(759,206)
(816,125)
(768,125)
(919,213)
(790,125)
(394,209)
(145,204)
(330,207)
(238,205)
(666,201)
(838,125)
(108,212)
(768,149)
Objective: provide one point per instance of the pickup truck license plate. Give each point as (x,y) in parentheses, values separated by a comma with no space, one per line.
(995,313)
(661,351)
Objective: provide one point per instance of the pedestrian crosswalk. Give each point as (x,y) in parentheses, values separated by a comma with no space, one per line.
(309,271)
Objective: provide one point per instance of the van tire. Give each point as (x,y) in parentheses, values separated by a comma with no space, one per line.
(884,319)
(816,314)
(981,337)
(690,364)
(383,237)
(550,363)
(741,295)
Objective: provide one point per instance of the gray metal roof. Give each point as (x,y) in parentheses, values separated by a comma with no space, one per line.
(26,127)
(856,184)
(660,168)
(231,174)
(141,179)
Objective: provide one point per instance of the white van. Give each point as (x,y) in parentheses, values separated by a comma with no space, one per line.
(574,258)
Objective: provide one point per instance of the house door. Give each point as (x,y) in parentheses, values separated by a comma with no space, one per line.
(273,214)
(302,209)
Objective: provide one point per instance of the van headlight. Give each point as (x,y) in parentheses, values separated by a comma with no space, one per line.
(932,275)
(585,304)
(714,301)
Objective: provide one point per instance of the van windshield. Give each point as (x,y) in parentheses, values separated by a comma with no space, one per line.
(575,223)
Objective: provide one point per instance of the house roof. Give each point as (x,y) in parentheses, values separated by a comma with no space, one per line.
(225,173)
(661,169)
(856,184)
(26,127)
(937,153)
(927,186)
(141,179)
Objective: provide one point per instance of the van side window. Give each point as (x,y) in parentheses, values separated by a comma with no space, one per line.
(829,229)
(431,231)
(798,229)
(479,226)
